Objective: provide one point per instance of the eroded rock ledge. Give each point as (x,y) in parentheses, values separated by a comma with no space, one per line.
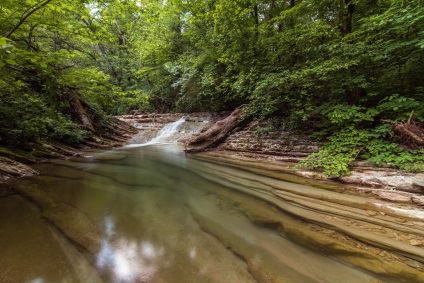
(14,162)
(258,141)
(345,222)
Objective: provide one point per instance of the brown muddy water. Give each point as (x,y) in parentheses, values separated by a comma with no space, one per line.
(151,214)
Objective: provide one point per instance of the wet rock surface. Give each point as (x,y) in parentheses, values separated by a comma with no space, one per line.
(388,179)
(73,223)
(10,168)
(384,236)
(150,124)
(156,121)
(258,141)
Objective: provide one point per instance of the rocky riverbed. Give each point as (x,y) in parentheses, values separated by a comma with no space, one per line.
(372,219)
(256,141)
(260,222)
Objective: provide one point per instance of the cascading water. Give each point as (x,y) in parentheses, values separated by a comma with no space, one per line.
(175,131)
(168,132)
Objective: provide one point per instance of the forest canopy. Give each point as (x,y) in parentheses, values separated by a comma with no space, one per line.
(348,72)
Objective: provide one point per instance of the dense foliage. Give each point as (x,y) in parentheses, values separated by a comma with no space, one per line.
(333,68)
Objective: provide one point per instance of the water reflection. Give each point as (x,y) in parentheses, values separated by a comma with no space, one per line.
(162,218)
(192,254)
(127,260)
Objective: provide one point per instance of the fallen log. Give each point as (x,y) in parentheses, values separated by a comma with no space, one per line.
(215,134)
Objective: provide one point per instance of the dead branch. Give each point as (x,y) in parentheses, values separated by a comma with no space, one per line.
(411,133)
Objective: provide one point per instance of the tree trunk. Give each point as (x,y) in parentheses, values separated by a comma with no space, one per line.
(270,14)
(256,15)
(112,69)
(76,106)
(291,20)
(346,18)
(350,11)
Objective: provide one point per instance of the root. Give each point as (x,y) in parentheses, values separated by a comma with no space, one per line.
(411,133)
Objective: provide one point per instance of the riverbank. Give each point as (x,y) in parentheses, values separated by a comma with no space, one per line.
(16,162)
(284,150)
(388,184)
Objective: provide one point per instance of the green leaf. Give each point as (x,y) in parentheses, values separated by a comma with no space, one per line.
(10,61)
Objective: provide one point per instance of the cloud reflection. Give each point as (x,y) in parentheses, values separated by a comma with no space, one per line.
(192,253)
(128,260)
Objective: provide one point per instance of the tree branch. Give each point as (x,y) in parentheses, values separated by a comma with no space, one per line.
(23,19)
(410,117)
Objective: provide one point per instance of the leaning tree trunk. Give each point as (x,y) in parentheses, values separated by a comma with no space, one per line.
(217,132)
(79,110)
(112,69)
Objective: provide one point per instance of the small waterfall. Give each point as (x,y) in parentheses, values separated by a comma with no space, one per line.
(171,132)
(168,132)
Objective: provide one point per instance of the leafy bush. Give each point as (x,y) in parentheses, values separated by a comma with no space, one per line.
(27,118)
(386,153)
(339,152)
(357,134)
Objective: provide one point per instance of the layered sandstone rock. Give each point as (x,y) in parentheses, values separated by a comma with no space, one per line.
(254,139)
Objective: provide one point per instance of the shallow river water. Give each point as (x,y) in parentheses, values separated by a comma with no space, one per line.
(154,215)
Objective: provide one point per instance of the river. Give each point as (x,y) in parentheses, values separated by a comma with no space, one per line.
(152,214)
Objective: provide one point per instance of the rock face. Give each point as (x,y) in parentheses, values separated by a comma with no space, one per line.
(276,142)
(365,230)
(388,179)
(255,140)
(149,121)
